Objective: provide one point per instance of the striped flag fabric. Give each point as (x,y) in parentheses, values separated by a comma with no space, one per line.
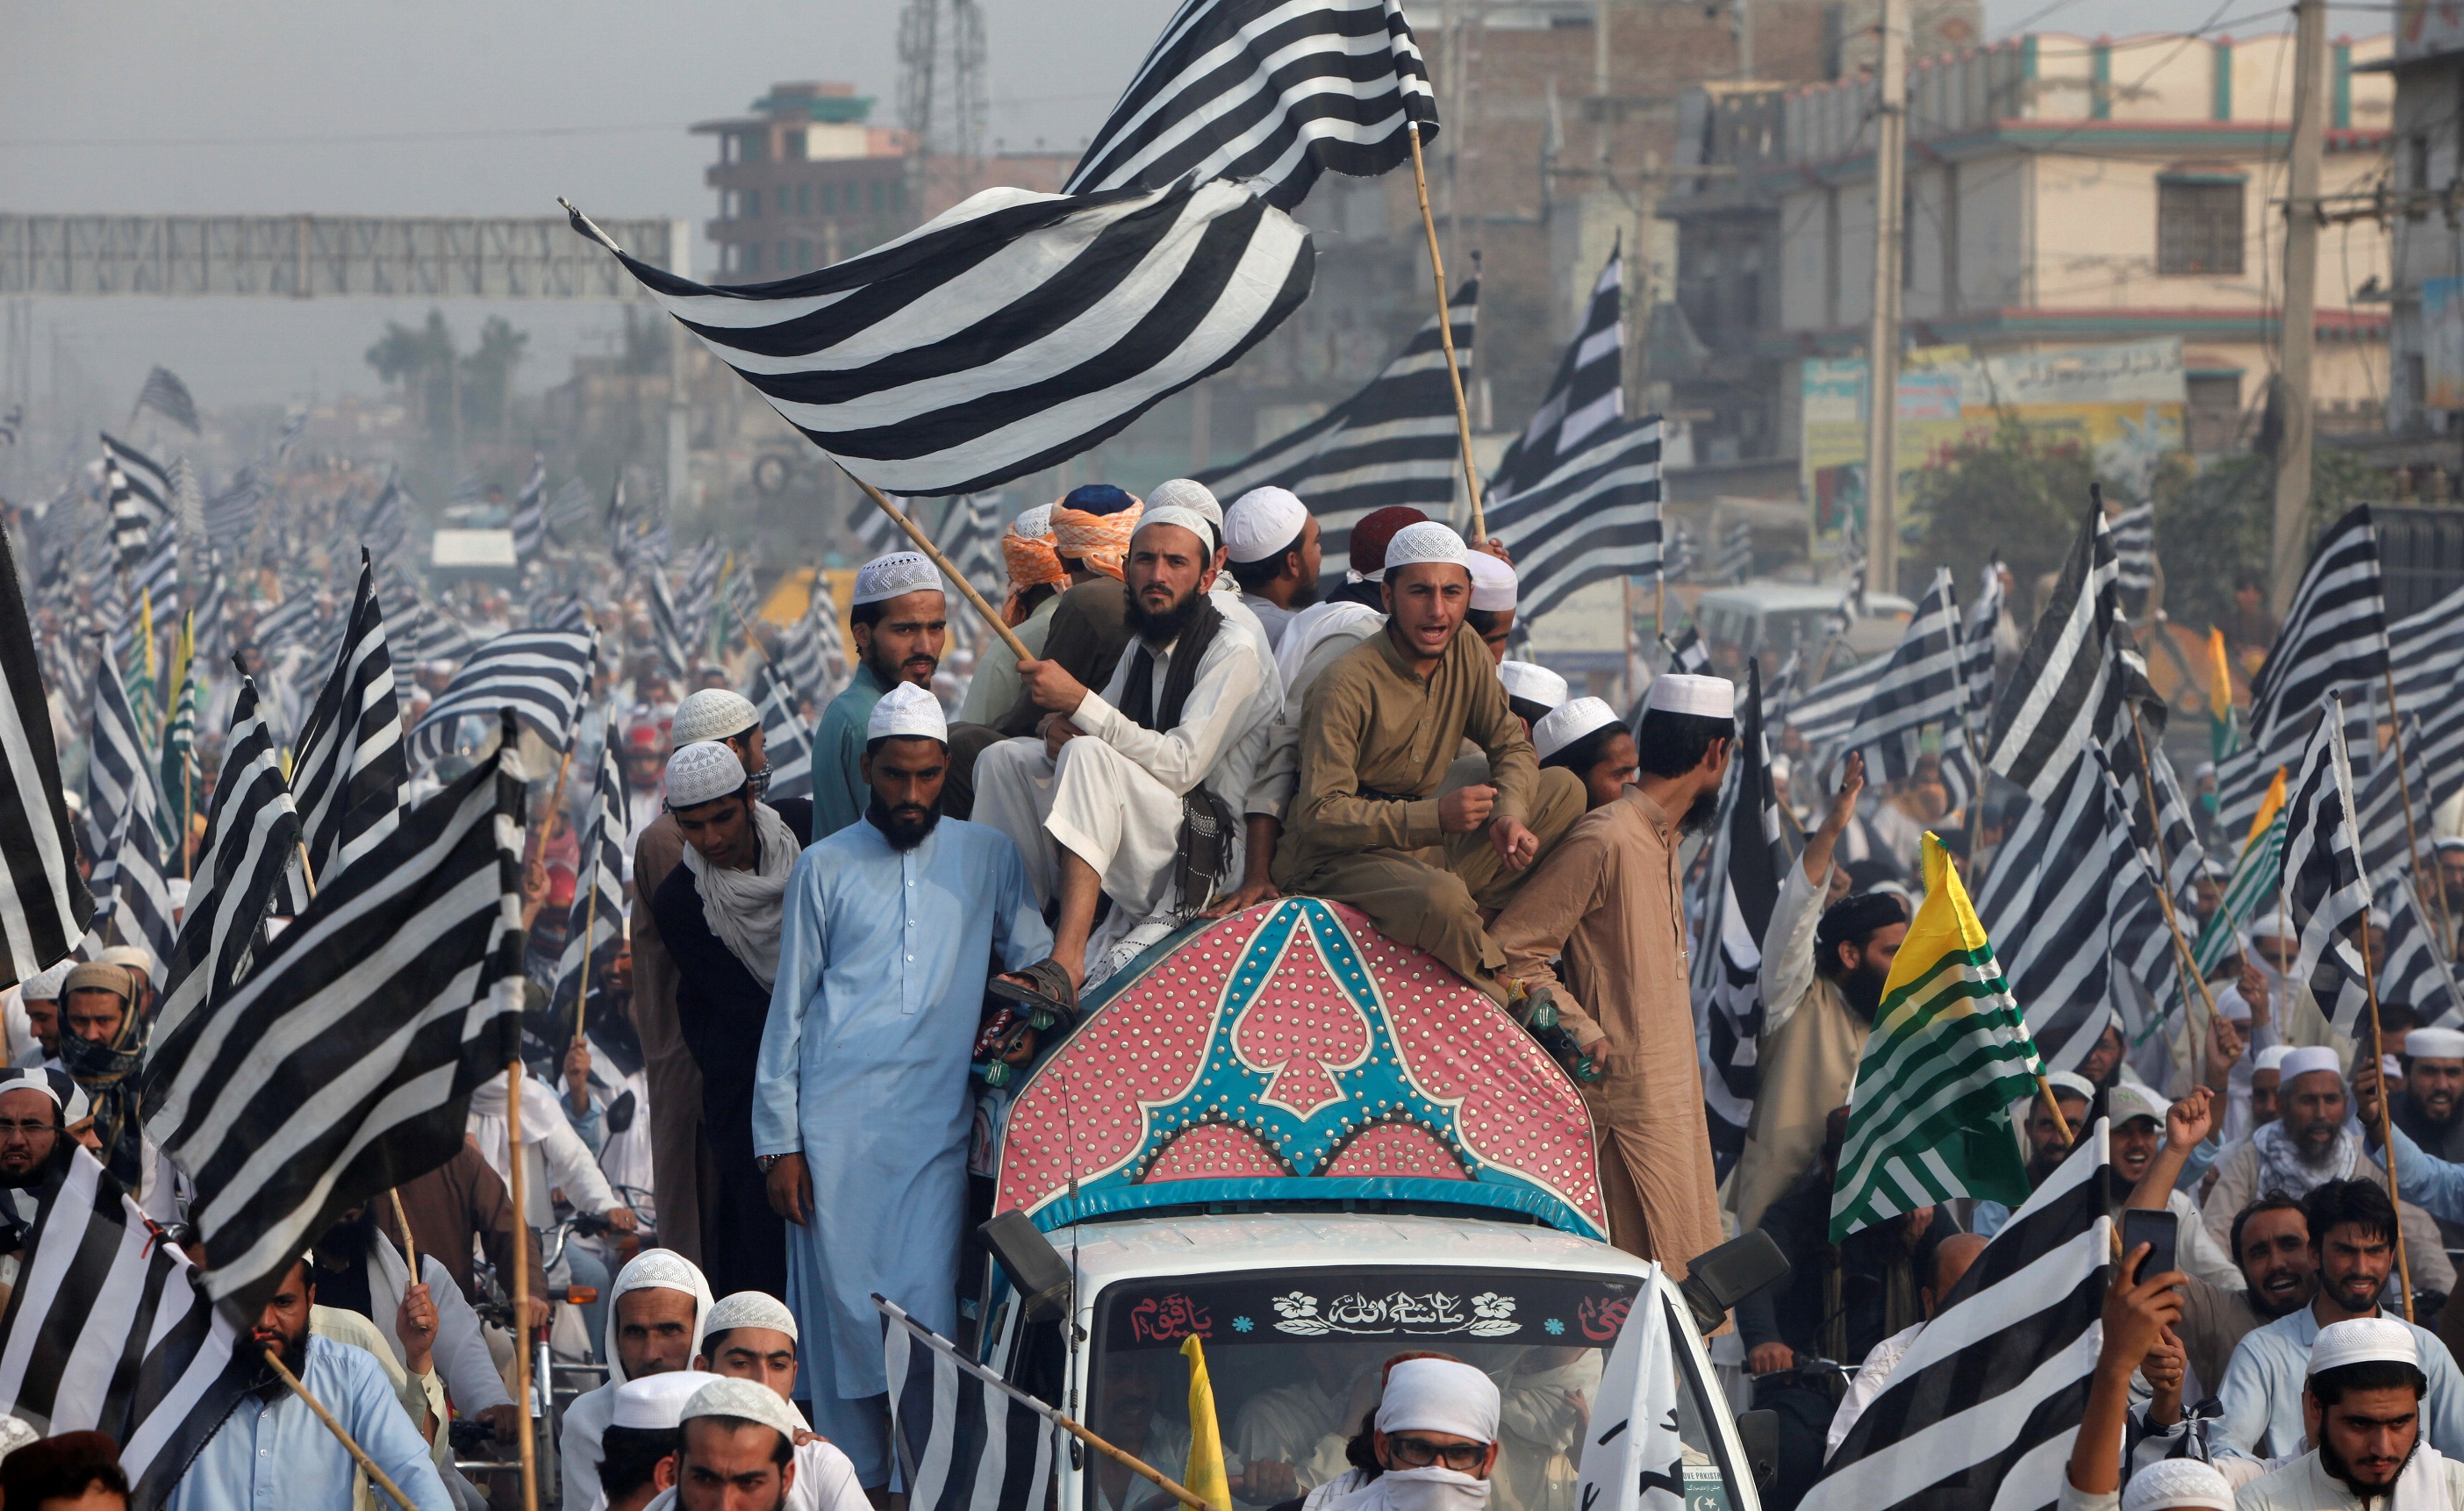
(295,621)
(182,783)
(876,534)
(138,910)
(1824,713)
(345,1062)
(2379,810)
(530,512)
(110,1330)
(2427,651)
(138,497)
(295,422)
(252,841)
(2134,549)
(385,525)
(667,628)
(1983,1408)
(118,764)
(168,396)
(1392,442)
(1920,685)
(2062,694)
(1677,558)
(595,926)
(1929,1111)
(814,654)
(541,674)
(1687,654)
(1976,641)
(1584,397)
(2324,882)
(349,772)
(965,1438)
(1008,334)
(701,593)
(971,536)
(1267,91)
(44,906)
(2411,971)
(787,743)
(1733,562)
(1595,519)
(1755,842)
(188,498)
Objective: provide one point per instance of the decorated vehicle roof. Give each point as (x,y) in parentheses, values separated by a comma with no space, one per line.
(1291,1052)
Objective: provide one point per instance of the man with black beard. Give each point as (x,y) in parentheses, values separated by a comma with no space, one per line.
(861,1113)
(36,1107)
(2364,1405)
(1822,975)
(1608,899)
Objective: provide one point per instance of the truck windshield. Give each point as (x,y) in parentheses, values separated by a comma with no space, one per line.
(1296,1357)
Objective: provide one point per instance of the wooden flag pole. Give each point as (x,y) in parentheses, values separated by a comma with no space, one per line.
(368,1465)
(1134,1465)
(2386,1135)
(2411,836)
(1446,337)
(2045,1091)
(898,518)
(513,1163)
(306,873)
(410,1245)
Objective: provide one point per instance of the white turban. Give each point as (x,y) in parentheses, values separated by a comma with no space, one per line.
(2309,1058)
(653,1270)
(1426,542)
(702,772)
(2433,1043)
(1492,582)
(895,576)
(747,1309)
(907,712)
(1439,1396)
(1262,521)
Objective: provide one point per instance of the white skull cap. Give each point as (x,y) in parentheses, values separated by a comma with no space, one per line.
(895,576)
(44,986)
(754,1403)
(714,713)
(1034,524)
(1182,516)
(747,1309)
(2309,1058)
(2178,1484)
(702,772)
(1531,683)
(1493,585)
(907,712)
(2434,1044)
(2363,1340)
(1186,492)
(1262,521)
(1427,541)
(1684,692)
(2271,1057)
(656,1402)
(2072,1082)
(1568,722)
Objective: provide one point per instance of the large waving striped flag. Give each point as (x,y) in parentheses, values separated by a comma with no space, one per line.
(1594,518)
(252,841)
(596,921)
(2062,696)
(1586,395)
(538,673)
(2324,882)
(1754,843)
(349,773)
(966,1439)
(43,904)
(1929,1114)
(1271,91)
(786,741)
(1007,333)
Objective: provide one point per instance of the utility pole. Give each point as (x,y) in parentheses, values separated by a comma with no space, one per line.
(679,376)
(1883,340)
(2294,407)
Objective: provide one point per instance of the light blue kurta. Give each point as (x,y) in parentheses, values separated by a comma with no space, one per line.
(883,957)
(2262,1393)
(273,1454)
(839,792)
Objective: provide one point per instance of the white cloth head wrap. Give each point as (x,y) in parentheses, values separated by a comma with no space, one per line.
(1568,722)
(907,712)
(1262,521)
(2434,1044)
(754,1403)
(2363,1340)
(653,1270)
(714,713)
(1426,542)
(2178,1484)
(702,772)
(893,575)
(656,1402)
(747,1309)
(2308,1057)
(1492,582)
(1684,692)
(1531,683)
(1439,1396)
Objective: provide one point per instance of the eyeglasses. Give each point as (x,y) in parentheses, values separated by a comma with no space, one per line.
(1419,1453)
(24,1128)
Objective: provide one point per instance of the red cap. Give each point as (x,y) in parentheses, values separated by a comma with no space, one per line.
(1377,527)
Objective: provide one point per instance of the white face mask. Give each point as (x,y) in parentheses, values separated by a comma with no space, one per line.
(1435,1488)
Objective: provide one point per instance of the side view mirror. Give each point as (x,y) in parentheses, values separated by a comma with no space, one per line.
(619,1113)
(1718,1279)
(1033,1265)
(1758,1431)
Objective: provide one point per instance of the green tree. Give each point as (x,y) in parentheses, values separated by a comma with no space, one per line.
(2013,494)
(2214,523)
(488,373)
(418,363)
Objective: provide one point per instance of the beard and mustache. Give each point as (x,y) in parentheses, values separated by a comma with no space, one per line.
(1863,987)
(1699,818)
(1164,625)
(904,827)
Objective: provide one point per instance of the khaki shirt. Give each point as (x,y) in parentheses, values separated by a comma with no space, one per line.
(1371,723)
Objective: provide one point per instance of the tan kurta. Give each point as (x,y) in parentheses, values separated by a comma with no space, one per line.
(1608,898)
(1807,1068)
(679,1151)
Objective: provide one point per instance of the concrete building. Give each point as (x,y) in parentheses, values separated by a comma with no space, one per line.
(2062,192)
(2425,176)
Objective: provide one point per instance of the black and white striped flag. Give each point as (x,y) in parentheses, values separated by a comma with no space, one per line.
(667,628)
(1585,396)
(1267,91)
(2428,653)
(44,906)
(1687,654)
(595,925)
(349,773)
(570,508)
(966,1439)
(701,593)
(2322,878)
(970,536)
(1823,714)
(168,396)
(1757,842)
(1595,519)
(139,492)
(295,621)
(1976,641)
(1392,442)
(1920,685)
(110,1330)
(1008,334)
(2063,694)
(385,525)
(138,910)
(1983,1408)
(530,512)
(876,534)
(118,765)
(252,842)
(2134,550)
(541,674)
(787,742)
(2412,971)
(343,1063)
(1734,559)
(814,655)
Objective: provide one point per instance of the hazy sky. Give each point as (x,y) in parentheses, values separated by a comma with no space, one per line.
(495,106)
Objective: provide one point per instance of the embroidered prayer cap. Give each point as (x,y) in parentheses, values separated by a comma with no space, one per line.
(2072,1082)
(1370,537)
(656,1402)
(702,772)
(2308,1057)
(2178,1484)
(2127,1101)
(1264,521)
(2271,1057)
(754,1403)
(44,986)
(1568,722)
(907,712)
(1026,549)
(714,713)
(652,1270)
(747,1309)
(1425,542)
(1684,692)
(1099,498)
(2363,1340)
(1035,524)
(895,576)
(2434,1044)
(1189,519)
(1188,493)
(1493,586)
(1099,540)
(1439,1396)
(1528,682)
(96,975)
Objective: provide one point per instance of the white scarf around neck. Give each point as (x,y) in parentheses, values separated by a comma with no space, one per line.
(744,909)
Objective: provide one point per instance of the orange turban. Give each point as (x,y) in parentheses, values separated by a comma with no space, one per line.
(1100,540)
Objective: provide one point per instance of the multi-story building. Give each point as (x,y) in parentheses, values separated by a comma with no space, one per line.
(2061,191)
(2426,204)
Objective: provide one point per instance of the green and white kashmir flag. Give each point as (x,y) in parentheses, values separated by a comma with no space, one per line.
(1929,1116)
(180,778)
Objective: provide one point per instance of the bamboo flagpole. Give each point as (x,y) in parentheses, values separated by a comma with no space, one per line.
(513,1163)
(410,1245)
(1446,337)
(2386,1135)
(589,927)
(368,1465)
(898,518)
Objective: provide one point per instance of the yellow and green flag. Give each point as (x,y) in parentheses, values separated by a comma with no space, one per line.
(1929,1115)
(1204,1473)
(2224,733)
